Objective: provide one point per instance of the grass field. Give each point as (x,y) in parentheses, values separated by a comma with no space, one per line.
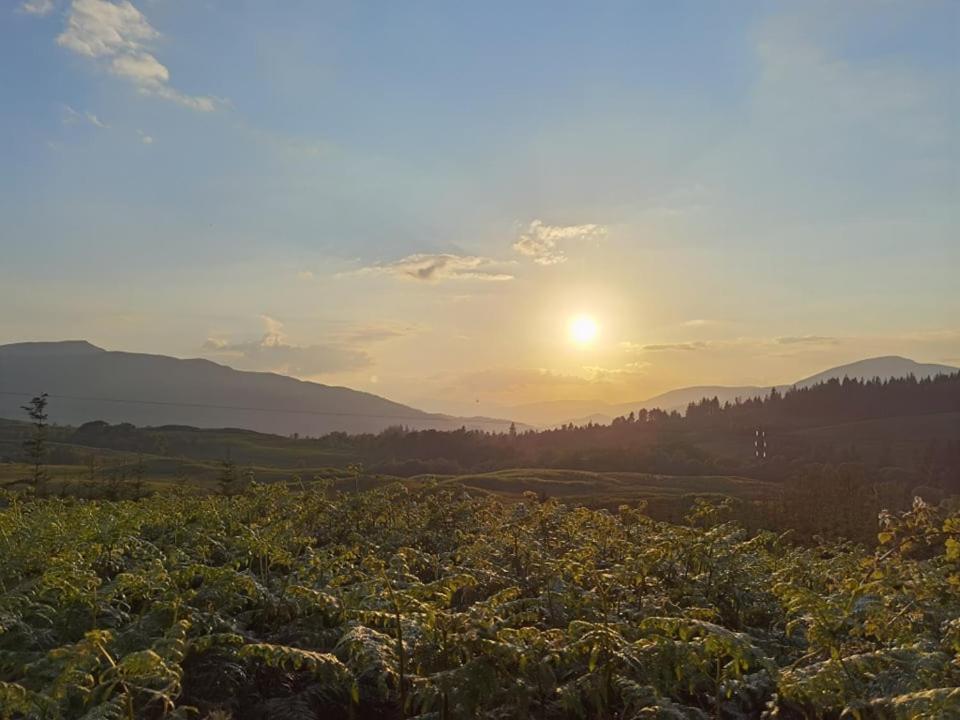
(195,457)
(592,488)
(665,495)
(160,457)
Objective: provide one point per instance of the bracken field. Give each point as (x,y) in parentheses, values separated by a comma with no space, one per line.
(432,603)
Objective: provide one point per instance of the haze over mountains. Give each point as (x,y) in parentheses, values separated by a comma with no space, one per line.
(579,413)
(90,383)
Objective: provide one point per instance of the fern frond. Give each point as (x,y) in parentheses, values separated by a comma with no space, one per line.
(323,665)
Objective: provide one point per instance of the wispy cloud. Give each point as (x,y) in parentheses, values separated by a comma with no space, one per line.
(767,344)
(515,379)
(94,120)
(379,333)
(41,8)
(119,36)
(544,243)
(606,374)
(685,346)
(807,340)
(72,117)
(441,266)
(275,353)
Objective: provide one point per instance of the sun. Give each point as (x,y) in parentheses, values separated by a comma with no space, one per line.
(583,329)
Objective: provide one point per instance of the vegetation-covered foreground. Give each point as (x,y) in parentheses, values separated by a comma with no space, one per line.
(395,603)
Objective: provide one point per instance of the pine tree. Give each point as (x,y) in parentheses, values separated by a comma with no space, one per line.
(228,475)
(35,447)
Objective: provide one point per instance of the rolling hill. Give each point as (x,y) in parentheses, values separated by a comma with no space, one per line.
(86,383)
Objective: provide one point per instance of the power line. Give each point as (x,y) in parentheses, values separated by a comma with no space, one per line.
(325,413)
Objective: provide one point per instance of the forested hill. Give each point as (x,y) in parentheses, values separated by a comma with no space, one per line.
(905,425)
(899,423)
(836,401)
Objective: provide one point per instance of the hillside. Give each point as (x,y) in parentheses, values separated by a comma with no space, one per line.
(888,366)
(901,428)
(673,400)
(88,383)
(885,367)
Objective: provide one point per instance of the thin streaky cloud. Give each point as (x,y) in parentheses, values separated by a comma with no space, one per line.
(94,120)
(41,8)
(373,334)
(685,346)
(426,267)
(700,322)
(807,340)
(72,116)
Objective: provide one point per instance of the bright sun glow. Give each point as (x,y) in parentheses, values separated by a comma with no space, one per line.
(583,329)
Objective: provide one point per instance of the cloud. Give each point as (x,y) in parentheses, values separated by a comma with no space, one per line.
(807,340)
(119,36)
(144,69)
(100,28)
(685,346)
(540,242)
(516,379)
(40,8)
(379,334)
(94,120)
(731,343)
(305,275)
(441,266)
(216,344)
(274,353)
(604,374)
(72,117)
(543,242)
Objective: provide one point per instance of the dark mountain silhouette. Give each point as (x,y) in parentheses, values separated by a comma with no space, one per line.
(885,367)
(89,383)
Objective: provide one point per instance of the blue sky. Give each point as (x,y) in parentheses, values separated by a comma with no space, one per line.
(414,198)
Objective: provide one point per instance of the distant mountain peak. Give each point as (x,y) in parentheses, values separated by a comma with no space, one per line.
(60,347)
(884,367)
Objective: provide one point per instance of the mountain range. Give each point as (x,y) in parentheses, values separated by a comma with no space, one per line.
(86,383)
(580,413)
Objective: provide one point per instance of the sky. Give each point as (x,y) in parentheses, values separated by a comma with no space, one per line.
(415,199)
